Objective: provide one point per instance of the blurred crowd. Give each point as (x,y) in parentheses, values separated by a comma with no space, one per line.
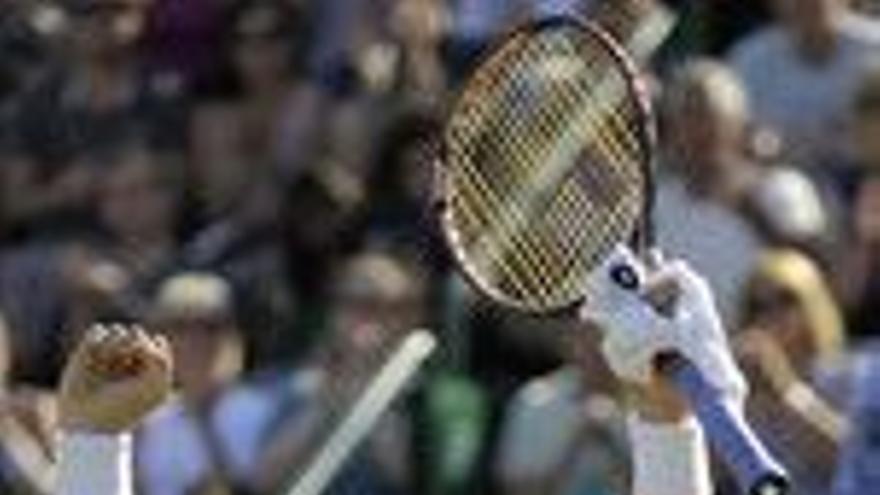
(252,178)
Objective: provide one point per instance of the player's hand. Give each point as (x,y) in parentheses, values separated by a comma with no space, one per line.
(636,332)
(115,377)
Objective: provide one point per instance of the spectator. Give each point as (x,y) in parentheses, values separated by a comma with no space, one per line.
(24,51)
(56,288)
(98,96)
(710,179)
(399,187)
(136,207)
(136,243)
(270,123)
(246,246)
(209,437)
(857,466)
(376,300)
(419,27)
(582,450)
(859,277)
(791,346)
(26,423)
(185,38)
(316,242)
(802,71)
(865,112)
(870,7)
(34,297)
(857,262)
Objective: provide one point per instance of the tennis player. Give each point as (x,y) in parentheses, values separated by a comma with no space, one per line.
(119,374)
(670,455)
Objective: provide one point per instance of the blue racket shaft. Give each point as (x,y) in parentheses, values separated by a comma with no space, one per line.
(755,469)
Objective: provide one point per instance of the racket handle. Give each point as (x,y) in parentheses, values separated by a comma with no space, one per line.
(755,469)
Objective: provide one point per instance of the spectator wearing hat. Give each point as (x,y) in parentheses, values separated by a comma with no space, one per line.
(210,435)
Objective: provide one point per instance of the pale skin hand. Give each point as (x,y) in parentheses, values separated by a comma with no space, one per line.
(114,379)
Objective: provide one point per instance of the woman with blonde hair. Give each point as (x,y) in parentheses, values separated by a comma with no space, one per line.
(791,341)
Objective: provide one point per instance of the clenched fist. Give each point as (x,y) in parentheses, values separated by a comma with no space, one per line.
(116,376)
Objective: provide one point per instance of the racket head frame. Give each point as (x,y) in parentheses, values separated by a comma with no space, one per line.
(641,237)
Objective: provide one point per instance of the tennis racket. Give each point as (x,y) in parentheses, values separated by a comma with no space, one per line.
(546,165)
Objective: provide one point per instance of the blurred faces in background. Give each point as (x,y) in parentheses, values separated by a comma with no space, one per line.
(802,72)
(262,41)
(376,299)
(196,312)
(789,297)
(27,426)
(108,29)
(812,24)
(858,277)
(709,178)
(711,140)
(136,200)
(866,122)
(209,439)
(707,113)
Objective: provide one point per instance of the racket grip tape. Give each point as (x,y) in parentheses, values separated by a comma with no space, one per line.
(755,469)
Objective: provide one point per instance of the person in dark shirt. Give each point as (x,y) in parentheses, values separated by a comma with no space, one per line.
(858,187)
(96,97)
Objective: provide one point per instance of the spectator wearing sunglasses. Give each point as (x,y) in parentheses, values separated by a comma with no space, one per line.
(208,438)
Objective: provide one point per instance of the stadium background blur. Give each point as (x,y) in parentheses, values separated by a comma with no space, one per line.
(252,177)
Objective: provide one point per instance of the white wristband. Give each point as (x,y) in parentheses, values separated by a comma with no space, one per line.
(95,464)
(669,459)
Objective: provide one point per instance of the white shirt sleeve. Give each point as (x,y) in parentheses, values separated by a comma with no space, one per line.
(669,459)
(94,464)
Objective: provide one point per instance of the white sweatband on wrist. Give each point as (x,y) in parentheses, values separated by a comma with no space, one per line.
(95,464)
(669,459)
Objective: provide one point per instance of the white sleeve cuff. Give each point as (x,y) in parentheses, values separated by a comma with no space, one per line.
(95,464)
(669,459)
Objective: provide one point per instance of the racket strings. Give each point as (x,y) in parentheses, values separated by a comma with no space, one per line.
(569,197)
(477,215)
(525,217)
(562,266)
(512,215)
(542,126)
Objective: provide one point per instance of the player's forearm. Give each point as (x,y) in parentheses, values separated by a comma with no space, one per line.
(669,458)
(95,464)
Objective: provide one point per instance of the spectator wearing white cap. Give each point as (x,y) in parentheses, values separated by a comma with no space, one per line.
(211,434)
